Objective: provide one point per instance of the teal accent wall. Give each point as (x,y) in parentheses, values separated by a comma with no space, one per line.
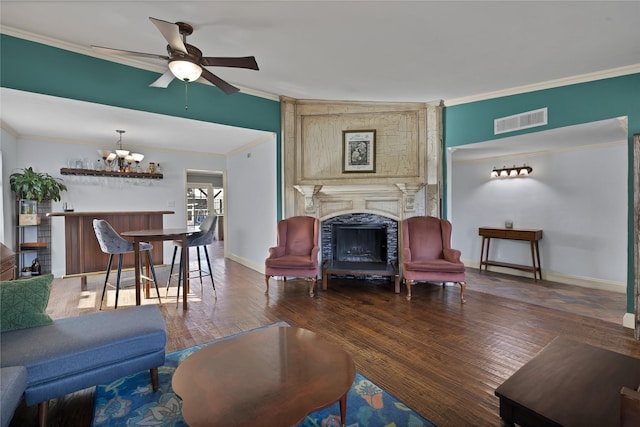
(567,106)
(39,68)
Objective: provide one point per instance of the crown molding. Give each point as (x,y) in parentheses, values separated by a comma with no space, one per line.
(7,128)
(263,139)
(582,78)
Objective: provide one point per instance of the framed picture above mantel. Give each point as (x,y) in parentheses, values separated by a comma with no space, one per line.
(359,151)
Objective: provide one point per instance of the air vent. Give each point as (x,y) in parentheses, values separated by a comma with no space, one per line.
(520,121)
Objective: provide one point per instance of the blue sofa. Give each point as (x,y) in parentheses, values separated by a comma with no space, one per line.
(13,381)
(79,352)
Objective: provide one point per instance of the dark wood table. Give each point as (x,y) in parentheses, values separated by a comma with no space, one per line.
(527,234)
(272,376)
(161,234)
(82,250)
(568,383)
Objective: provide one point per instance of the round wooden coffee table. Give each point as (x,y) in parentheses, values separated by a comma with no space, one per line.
(271,376)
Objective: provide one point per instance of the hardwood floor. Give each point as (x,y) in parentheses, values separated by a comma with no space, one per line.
(440,357)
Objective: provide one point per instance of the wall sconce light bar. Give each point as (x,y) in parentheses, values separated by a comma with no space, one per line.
(512,172)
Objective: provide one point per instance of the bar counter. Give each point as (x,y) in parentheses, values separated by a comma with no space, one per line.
(82,251)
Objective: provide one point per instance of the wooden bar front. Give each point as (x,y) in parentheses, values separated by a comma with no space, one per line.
(83,254)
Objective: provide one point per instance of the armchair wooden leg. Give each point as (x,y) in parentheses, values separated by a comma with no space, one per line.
(463,286)
(43,413)
(408,284)
(266,280)
(155,383)
(312,286)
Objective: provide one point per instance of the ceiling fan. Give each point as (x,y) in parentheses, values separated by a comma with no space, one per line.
(186,61)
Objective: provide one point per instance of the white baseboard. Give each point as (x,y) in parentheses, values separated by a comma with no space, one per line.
(247,263)
(585,282)
(629,320)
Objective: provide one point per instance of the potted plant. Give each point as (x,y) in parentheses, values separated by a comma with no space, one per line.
(31,185)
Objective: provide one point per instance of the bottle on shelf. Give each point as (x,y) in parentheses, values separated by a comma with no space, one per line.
(35,267)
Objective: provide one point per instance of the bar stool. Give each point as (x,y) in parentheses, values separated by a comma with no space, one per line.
(202,238)
(113,244)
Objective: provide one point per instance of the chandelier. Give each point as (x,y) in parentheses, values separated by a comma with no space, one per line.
(121,160)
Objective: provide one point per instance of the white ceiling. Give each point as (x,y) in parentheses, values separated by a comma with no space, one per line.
(341,50)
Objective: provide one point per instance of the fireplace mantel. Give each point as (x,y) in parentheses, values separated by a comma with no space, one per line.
(408,158)
(396,201)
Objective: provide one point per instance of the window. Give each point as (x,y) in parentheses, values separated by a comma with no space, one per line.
(203,199)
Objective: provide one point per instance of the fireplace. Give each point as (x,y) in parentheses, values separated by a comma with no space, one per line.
(358,225)
(358,243)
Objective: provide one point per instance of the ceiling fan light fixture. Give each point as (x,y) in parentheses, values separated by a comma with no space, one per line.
(185,70)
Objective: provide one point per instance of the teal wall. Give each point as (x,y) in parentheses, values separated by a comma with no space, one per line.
(34,67)
(567,105)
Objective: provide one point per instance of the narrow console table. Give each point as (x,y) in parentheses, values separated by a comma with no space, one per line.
(527,234)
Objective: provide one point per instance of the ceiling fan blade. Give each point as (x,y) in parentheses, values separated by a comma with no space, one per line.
(224,86)
(244,62)
(164,80)
(109,51)
(171,33)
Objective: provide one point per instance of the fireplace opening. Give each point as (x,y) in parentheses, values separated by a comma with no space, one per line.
(359,244)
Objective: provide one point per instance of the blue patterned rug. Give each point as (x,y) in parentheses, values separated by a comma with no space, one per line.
(130,401)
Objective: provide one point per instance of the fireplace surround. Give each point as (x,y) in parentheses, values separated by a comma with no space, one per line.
(359,245)
(366,226)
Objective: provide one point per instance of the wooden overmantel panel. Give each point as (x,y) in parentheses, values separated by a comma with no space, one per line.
(398,150)
(400,141)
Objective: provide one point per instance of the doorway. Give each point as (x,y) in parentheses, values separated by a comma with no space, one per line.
(204,196)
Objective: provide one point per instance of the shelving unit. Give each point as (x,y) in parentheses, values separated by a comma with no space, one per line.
(33,235)
(91,172)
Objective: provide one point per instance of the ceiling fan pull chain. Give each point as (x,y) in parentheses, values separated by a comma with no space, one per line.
(186,96)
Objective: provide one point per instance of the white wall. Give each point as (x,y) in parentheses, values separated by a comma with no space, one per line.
(251,204)
(120,194)
(8,145)
(578,198)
